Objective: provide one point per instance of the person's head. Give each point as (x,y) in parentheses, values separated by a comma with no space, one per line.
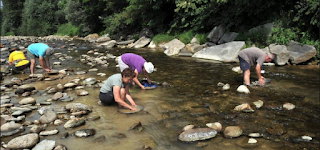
(49,51)
(127,75)
(148,67)
(13,49)
(269,57)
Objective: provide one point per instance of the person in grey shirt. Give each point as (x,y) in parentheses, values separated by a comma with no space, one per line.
(116,89)
(253,56)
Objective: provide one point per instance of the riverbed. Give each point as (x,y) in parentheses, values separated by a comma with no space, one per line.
(193,97)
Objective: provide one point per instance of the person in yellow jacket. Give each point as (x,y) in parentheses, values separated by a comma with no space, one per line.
(17,61)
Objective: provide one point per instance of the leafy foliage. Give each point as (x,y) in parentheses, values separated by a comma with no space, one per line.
(68,29)
(159,38)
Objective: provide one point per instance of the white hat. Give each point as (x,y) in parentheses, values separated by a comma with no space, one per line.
(148,66)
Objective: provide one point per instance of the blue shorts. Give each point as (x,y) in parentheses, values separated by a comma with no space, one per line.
(107,98)
(243,64)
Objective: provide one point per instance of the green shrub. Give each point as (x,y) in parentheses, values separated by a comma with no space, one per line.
(67,29)
(186,37)
(159,38)
(202,38)
(9,33)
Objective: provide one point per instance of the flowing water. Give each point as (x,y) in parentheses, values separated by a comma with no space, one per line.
(193,98)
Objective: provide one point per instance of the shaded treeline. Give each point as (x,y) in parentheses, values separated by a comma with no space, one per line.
(124,17)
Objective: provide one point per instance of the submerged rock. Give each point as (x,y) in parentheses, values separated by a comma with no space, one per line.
(232,131)
(217,126)
(85,132)
(197,134)
(243,89)
(288,106)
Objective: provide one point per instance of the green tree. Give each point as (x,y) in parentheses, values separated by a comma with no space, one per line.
(39,18)
(11,16)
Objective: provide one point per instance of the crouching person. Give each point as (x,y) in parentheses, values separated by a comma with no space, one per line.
(116,90)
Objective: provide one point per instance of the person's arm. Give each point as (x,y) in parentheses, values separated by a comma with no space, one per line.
(147,76)
(47,60)
(135,79)
(117,98)
(128,97)
(43,64)
(258,71)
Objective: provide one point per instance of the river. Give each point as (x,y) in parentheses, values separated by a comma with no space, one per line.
(193,98)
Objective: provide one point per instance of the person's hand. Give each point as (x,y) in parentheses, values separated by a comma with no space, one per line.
(133,108)
(142,87)
(261,81)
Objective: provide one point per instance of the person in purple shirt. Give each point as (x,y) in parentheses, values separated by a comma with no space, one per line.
(253,56)
(41,51)
(136,63)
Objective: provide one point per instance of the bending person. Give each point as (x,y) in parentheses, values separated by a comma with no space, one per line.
(253,56)
(41,51)
(17,61)
(138,64)
(116,89)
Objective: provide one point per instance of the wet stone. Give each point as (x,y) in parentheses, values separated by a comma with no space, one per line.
(85,132)
(232,131)
(244,143)
(10,128)
(24,141)
(197,134)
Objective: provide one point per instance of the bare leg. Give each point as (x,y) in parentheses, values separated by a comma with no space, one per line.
(246,77)
(32,64)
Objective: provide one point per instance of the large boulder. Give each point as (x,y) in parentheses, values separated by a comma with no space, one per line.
(228,37)
(173,47)
(216,33)
(142,42)
(300,53)
(227,52)
(282,54)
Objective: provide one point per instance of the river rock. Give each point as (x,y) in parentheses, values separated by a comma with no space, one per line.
(85,132)
(89,81)
(75,122)
(48,117)
(24,88)
(243,89)
(226,87)
(300,53)
(45,145)
(69,85)
(10,128)
(244,107)
(49,132)
(75,107)
(57,96)
(258,104)
(247,143)
(82,92)
(100,139)
(35,129)
(188,127)
(232,131)
(237,69)
(16,80)
(173,47)
(217,126)
(24,141)
(288,106)
(197,134)
(28,100)
(60,147)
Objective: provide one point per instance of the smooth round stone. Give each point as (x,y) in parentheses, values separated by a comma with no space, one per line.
(288,106)
(129,111)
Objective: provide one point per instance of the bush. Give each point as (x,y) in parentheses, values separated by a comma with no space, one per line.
(186,37)
(67,29)
(159,38)
(202,38)
(9,33)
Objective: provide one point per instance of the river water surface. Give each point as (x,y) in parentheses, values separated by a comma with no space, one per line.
(193,98)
